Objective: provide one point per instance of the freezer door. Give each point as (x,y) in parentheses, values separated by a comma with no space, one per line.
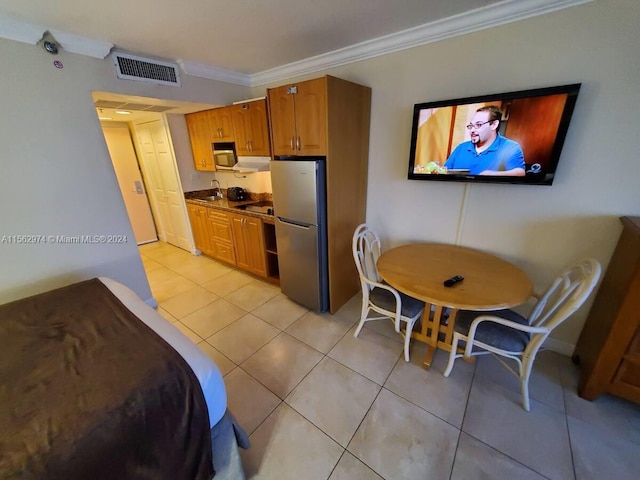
(299,264)
(295,190)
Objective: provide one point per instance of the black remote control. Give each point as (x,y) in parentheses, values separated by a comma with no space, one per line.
(453,280)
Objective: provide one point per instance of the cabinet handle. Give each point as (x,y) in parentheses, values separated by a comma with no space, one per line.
(246,145)
(251,145)
(292,147)
(298,143)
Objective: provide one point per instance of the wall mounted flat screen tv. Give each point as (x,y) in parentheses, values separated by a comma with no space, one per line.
(513,137)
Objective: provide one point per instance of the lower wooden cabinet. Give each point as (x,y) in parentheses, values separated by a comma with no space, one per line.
(608,349)
(235,239)
(248,236)
(221,236)
(198,219)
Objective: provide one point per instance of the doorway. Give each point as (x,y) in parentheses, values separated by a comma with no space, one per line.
(159,165)
(127,169)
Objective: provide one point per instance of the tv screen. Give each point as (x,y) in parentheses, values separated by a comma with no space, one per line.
(513,137)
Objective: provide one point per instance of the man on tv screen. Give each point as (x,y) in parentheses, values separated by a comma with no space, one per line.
(488,152)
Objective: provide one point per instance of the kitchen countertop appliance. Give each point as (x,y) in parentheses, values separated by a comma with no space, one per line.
(299,200)
(224,155)
(236,194)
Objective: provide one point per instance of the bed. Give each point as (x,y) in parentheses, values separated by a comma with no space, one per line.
(96,384)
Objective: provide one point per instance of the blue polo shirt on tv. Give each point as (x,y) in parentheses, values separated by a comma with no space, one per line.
(502,154)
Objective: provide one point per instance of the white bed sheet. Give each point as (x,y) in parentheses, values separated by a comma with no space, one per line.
(203,367)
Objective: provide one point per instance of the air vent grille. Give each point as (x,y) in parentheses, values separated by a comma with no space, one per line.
(133,67)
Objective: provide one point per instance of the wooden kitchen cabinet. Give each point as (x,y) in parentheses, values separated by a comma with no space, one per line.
(221,124)
(221,236)
(201,139)
(248,235)
(608,350)
(198,219)
(329,117)
(298,114)
(250,128)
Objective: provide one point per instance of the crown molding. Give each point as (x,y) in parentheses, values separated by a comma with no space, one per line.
(482,18)
(17,30)
(82,45)
(214,73)
(20,31)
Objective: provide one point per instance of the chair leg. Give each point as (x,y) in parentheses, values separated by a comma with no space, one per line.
(452,354)
(407,341)
(525,373)
(363,319)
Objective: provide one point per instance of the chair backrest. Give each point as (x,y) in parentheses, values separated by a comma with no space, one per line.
(566,294)
(366,251)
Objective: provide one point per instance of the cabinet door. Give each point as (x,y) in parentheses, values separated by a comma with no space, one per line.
(248,238)
(255,246)
(281,111)
(221,124)
(311,117)
(200,137)
(242,129)
(198,219)
(240,241)
(219,227)
(250,128)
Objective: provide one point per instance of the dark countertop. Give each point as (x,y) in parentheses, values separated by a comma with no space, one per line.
(197,198)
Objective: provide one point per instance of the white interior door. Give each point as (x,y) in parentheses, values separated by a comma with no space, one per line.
(157,157)
(125,164)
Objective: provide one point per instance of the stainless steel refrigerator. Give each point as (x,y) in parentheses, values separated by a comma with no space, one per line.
(299,204)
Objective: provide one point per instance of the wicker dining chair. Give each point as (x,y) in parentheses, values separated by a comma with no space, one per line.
(378,296)
(505,333)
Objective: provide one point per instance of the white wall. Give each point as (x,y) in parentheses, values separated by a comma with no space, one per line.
(57,177)
(538,228)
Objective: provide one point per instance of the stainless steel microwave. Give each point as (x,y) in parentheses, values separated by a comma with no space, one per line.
(224,155)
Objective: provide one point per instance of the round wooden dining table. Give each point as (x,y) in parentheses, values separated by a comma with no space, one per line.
(420,269)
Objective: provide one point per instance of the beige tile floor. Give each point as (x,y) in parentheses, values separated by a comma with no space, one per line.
(321,404)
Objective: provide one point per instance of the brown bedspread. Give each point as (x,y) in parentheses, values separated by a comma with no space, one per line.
(88,391)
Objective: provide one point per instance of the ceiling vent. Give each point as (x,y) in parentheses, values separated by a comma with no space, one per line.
(134,67)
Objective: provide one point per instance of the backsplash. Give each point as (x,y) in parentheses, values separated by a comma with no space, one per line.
(252,182)
(254,196)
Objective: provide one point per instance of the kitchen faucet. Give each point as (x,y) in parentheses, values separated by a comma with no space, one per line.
(217,190)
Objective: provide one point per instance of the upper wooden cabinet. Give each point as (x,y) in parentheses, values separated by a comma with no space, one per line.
(250,128)
(245,124)
(221,124)
(200,137)
(329,117)
(299,118)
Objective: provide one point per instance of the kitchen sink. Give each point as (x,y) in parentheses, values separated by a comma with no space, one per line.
(209,199)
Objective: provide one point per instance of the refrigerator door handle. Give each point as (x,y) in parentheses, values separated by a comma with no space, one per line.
(292,223)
